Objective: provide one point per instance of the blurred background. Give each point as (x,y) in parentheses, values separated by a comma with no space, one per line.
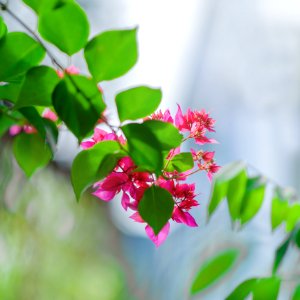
(238,59)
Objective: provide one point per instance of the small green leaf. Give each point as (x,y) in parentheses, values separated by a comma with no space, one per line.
(91,165)
(253,198)
(235,193)
(243,290)
(66,26)
(31,152)
(3,28)
(156,207)
(280,253)
(293,216)
(180,162)
(296,294)
(280,208)
(138,102)
(266,288)
(111,54)
(78,103)
(144,147)
(161,130)
(213,270)
(221,183)
(38,87)
(40,6)
(21,52)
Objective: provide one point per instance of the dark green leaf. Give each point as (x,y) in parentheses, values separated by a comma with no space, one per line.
(10,91)
(3,28)
(92,165)
(40,6)
(296,238)
(38,87)
(144,147)
(180,162)
(5,123)
(65,26)
(253,198)
(21,52)
(280,253)
(213,270)
(266,288)
(111,54)
(161,130)
(296,294)
(31,152)
(243,290)
(156,207)
(138,102)
(78,103)
(221,183)
(280,208)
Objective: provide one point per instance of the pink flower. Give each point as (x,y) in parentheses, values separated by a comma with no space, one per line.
(70,70)
(15,129)
(50,115)
(166,116)
(181,216)
(161,237)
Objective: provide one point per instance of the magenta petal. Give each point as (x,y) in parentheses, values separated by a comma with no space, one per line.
(180,216)
(137,218)
(125,201)
(160,238)
(104,195)
(15,129)
(87,144)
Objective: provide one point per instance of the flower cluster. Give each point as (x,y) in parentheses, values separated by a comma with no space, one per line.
(131,183)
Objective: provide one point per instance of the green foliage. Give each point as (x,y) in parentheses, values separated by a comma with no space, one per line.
(40,6)
(3,28)
(38,87)
(10,91)
(77,98)
(180,162)
(213,270)
(21,52)
(31,152)
(93,165)
(296,294)
(261,288)
(156,207)
(66,27)
(5,123)
(111,54)
(280,253)
(138,102)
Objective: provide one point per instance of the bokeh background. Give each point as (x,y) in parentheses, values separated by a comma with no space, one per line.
(238,59)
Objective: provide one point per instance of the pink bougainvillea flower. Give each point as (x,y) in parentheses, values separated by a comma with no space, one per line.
(181,216)
(72,70)
(15,129)
(50,115)
(29,129)
(161,237)
(166,116)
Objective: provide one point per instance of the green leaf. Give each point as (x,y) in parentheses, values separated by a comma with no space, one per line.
(38,87)
(161,130)
(21,52)
(221,183)
(144,147)
(243,290)
(156,207)
(235,193)
(31,152)
(78,103)
(65,26)
(40,6)
(3,28)
(280,208)
(10,91)
(296,294)
(280,253)
(296,238)
(5,123)
(138,102)
(213,270)
(91,165)
(293,216)
(266,288)
(253,198)
(111,54)
(180,162)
